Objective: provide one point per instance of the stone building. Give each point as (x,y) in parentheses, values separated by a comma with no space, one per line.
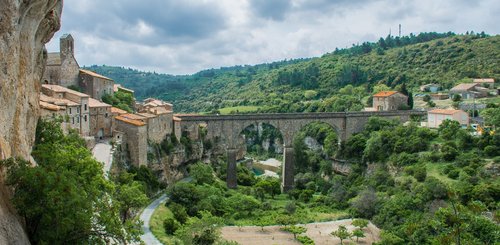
(135,137)
(62,67)
(469,91)
(95,85)
(101,119)
(76,103)
(389,101)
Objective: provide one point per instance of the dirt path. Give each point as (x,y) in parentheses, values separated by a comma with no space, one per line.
(319,232)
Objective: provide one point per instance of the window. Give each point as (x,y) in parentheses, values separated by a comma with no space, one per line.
(77,119)
(70,111)
(72,120)
(85,107)
(85,118)
(78,110)
(106,115)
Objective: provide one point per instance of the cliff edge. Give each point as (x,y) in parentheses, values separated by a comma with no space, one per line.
(25,27)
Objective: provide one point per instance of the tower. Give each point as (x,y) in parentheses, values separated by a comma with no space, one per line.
(67,46)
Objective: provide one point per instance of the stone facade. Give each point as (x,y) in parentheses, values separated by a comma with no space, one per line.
(389,101)
(76,104)
(95,85)
(62,67)
(101,119)
(135,138)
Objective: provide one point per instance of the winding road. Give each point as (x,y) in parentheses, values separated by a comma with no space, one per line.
(148,238)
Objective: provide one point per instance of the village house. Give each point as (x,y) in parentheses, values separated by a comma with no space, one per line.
(135,137)
(101,119)
(437,116)
(389,101)
(485,82)
(469,91)
(95,85)
(61,67)
(76,104)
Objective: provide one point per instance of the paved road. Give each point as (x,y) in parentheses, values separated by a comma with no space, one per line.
(148,238)
(103,153)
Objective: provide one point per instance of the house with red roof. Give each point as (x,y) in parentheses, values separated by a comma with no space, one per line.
(389,101)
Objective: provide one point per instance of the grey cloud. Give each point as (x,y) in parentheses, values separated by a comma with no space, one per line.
(271,9)
(171,21)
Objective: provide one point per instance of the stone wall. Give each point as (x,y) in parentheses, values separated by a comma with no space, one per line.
(101,118)
(25,26)
(159,127)
(94,86)
(135,141)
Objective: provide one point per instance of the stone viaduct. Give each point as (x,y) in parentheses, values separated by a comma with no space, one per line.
(226,129)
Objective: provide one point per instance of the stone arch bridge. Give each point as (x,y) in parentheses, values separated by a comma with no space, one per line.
(227,128)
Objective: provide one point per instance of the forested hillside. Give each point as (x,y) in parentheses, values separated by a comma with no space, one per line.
(315,84)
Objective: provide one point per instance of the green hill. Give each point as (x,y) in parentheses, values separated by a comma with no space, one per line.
(321,84)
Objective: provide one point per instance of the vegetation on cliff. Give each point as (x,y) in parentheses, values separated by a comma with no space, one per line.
(314,84)
(65,198)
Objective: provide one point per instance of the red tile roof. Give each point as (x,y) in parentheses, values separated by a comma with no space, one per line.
(444,111)
(130,121)
(385,93)
(91,73)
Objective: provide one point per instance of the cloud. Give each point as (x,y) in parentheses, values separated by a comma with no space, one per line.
(271,9)
(185,36)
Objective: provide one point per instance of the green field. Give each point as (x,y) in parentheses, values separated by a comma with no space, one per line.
(238,109)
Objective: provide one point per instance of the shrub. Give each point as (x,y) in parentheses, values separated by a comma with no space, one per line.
(290,207)
(179,212)
(170,225)
(454,173)
(305,240)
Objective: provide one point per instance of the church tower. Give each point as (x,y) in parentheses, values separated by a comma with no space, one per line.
(67,46)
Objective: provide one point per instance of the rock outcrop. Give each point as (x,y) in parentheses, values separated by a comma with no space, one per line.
(25,27)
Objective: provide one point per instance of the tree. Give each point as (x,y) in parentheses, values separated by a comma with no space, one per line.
(130,195)
(358,233)
(360,223)
(179,212)
(202,174)
(410,100)
(491,116)
(201,231)
(365,203)
(170,225)
(295,230)
(65,199)
(342,233)
(448,129)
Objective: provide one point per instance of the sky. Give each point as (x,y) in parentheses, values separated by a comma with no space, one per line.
(187,36)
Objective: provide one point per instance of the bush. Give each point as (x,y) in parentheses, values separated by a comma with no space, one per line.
(453,174)
(179,212)
(492,150)
(305,240)
(170,225)
(449,152)
(290,207)
(420,173)
(306,195)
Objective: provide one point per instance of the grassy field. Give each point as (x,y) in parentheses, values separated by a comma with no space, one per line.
(435,170)
(240,109)
(156,224)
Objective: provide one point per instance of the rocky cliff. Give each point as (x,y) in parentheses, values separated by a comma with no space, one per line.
(25,27)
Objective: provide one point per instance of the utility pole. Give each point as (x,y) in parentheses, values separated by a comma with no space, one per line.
(400,30)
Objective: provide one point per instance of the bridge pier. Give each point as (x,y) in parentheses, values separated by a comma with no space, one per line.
(287,174)
(232,177)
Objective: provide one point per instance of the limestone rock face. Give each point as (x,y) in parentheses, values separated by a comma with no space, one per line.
(25,27)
